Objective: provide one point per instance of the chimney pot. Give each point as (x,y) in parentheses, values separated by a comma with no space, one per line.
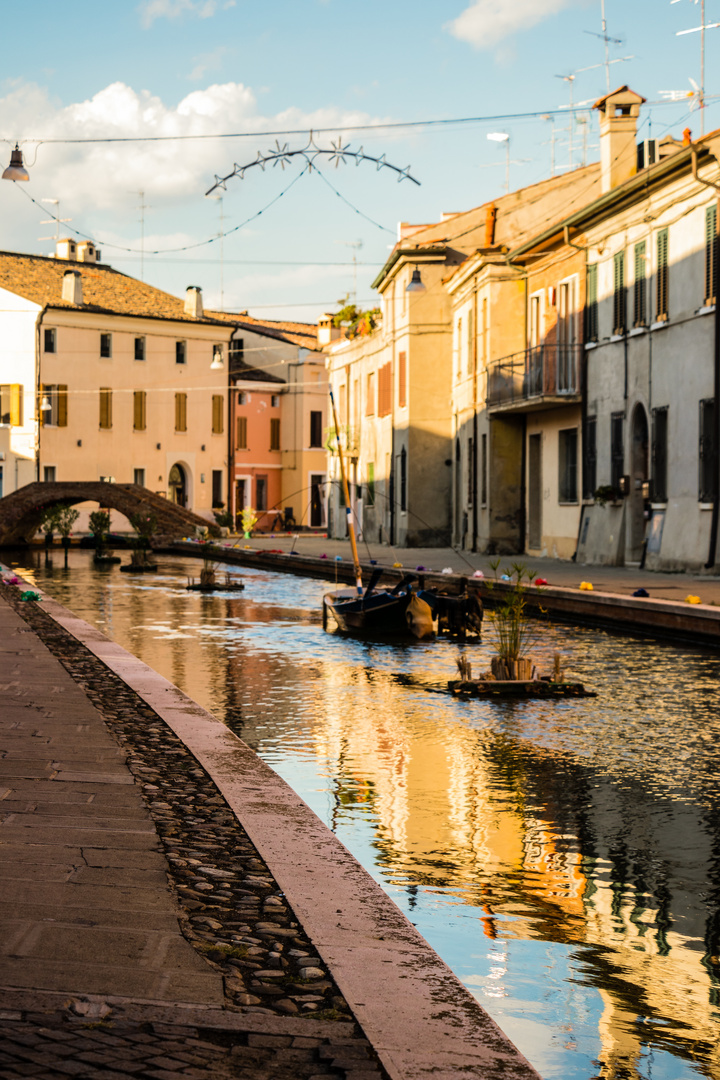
(72,290)
(619,113)
(193,302)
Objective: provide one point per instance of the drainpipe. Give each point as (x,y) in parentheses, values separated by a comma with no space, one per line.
(712,551)
(38,400)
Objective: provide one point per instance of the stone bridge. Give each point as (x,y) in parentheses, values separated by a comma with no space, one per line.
(22,511)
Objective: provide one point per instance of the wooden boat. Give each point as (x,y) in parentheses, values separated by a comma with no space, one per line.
(381,612)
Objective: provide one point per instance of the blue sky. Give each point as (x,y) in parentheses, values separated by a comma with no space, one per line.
(179,67)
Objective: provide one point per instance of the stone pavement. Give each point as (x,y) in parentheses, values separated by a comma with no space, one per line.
(106,967)
(612,579)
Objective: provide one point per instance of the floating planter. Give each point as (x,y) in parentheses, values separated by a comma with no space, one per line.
(545,687)
(211,584)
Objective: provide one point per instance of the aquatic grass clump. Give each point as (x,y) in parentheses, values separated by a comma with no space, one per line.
(516,631)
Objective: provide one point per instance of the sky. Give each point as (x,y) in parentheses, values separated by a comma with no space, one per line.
(157,68)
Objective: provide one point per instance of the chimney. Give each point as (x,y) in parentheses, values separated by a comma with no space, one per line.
(619,113)
(66,249)
(87,252)
(193,302)
(490,216)
(326,332)
(72,291)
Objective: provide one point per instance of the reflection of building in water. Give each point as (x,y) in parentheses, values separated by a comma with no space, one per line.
(567,854)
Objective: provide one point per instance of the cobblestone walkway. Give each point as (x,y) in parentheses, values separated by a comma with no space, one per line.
(227,904)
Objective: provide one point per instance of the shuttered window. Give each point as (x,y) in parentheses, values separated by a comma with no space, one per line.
(218,413)
(241,433)
(139,410)
(617,449)
(640,286)
(11,404)
(369,396)
(589,467)
(105,407)
(711,249)
(62,404)
(385,390)
(567,465)
(619,300)
(181,412)
(591,305)
(402,380)
(661,304)
(707,452)
(275,434)
(316,432)
(659,454)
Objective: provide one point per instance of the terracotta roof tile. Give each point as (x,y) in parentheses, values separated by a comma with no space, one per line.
(295,333)
(39,279)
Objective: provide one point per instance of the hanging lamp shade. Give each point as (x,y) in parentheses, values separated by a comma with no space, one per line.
(16,170)
(415,284)
(45,405)
(217,362)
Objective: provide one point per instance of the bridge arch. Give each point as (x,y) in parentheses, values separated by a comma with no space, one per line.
(21,512)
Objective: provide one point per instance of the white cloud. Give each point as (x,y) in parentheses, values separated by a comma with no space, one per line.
(210,61)
(486,22)
(87,177)
(150,10)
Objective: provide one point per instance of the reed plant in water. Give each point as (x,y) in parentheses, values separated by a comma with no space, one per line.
(516,632)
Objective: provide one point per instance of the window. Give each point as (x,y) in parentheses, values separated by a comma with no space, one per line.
(471,472)
(139,477)
(316,429)
(470,329)
(274,434)
(707,452)
(181,352)
(218,413)
(139,348)
(591,305)
(105,408)
(617,450)
(370,501)
(261,493)
(483,470)
(370,395)
(181,412)
(275,401)
(49,474)
(50,340)
(241,433)
(535,320)
(659,454)
(11,404)
(711,253)
(661,305)
(567,475)
(640,287)
(619,300)
(106,345)
(242,398)
(385,390)
(403,478)
(402,380)
(139,410)
(459,347)
(589,477)
(218,359)
(217,487)
(237,352)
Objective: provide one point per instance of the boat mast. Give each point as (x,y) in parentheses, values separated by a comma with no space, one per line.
(348,507)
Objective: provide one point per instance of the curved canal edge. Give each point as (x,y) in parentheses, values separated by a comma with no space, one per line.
(419,1018)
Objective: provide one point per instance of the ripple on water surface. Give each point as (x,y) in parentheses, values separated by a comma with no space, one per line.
(563,857)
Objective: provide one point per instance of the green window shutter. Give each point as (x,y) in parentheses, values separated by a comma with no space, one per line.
(662,276)
(711,242)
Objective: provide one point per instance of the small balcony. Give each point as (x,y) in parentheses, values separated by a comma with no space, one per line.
(542,377)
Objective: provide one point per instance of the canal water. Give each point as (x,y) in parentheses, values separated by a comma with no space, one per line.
(562,857)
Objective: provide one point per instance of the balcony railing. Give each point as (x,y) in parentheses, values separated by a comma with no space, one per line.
(534,375)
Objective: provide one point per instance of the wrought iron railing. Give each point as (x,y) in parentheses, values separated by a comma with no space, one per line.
(537,372)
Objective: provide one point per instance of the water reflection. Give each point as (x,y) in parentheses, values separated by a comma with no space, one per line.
(562,857)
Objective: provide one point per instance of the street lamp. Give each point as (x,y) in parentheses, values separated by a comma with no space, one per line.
(416,283)
(16,170)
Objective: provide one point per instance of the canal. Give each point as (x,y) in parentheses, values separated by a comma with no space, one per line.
(563,858)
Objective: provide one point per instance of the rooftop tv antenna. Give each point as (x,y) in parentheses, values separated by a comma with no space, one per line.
(218,197)
(356,245)
(143,207)
(570,79)
(605,37)
(701,30)
(55,219)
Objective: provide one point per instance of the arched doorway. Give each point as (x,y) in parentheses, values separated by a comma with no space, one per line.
(177,483)
(639,475)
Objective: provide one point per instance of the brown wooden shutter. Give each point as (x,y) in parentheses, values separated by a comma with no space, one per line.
(274,434)
(181,412)
(242,433)
(402,380)
(105,407)
(62,409)
(16,405)
(217,414)
(139,410)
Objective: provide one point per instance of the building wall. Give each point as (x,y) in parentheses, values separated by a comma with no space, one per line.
(258,404)
(82,450)
(18,319)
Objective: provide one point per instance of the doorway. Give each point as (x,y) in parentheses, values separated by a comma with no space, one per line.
(317,505)
(639,476)
(177,482)
(535,491)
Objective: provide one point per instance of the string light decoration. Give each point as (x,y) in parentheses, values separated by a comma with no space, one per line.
(338,153)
